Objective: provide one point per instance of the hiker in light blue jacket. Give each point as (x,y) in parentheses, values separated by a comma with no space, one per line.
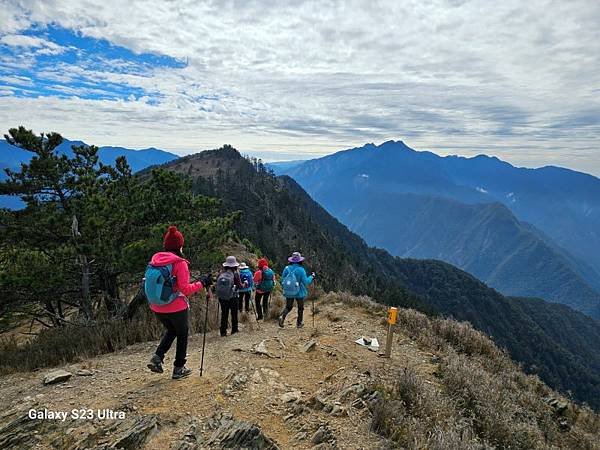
(245,294)
(294,282)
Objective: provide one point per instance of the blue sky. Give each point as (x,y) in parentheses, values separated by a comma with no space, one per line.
(291,80)
(56,51)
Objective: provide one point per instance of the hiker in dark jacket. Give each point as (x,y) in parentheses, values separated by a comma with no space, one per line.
(245,294)
(294,282)
(174,314)
(264,280)
(228,283)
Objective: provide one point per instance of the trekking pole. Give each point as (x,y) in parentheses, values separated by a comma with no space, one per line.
(253,304)
(312,295)
(204,331)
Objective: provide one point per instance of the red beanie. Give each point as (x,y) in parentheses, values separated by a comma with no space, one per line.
(173,239)
(262,262)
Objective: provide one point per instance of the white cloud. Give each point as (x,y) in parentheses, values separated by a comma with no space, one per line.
(516,79)
(17,80)
(42,46)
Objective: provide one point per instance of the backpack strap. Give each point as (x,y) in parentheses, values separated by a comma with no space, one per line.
(293,271)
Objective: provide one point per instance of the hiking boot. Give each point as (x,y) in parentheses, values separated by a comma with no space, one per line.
(155,364)
(280,321)
(234,331)
(181,372)
(299,325)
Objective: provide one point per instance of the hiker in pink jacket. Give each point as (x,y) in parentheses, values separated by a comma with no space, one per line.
(174,315)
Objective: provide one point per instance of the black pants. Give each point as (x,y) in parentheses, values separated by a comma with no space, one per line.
(289,305)
(177,327)
(262,309)
(229,307)
(245,298)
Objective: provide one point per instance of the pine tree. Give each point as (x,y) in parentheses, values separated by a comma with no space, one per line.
(88,228)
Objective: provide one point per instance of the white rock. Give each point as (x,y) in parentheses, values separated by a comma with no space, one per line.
(58,376)
(292,396)
(261,348)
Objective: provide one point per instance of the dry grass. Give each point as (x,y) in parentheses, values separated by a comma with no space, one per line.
(481,398)
(276,305)
(414,414)
(361,301)
(477,408)
(57,346)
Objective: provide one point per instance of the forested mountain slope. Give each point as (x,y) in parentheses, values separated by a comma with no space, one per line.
(484,239)
(390,193)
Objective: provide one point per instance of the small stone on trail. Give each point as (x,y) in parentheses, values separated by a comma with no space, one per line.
(261,349)
(231,433)
(58,376)
(309,346)
(256,378)
(84,373)
(323,446)
(300,436)
(292,396)
(323,434)
(337,410)
(316,402)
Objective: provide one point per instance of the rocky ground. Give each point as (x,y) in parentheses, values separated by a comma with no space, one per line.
(263,388)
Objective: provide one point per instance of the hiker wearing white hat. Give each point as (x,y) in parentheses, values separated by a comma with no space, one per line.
(227,285)
(245,294)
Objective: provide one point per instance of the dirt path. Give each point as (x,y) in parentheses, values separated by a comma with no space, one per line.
(289,394)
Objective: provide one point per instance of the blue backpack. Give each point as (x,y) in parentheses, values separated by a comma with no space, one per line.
(159,285)
(290,284)
(267,281)
(246,276)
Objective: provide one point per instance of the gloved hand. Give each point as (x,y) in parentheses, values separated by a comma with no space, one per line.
(206,280)
(314,275)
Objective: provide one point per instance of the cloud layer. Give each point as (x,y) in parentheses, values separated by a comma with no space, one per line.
(299,79)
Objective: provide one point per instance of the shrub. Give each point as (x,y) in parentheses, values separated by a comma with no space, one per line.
(414,414)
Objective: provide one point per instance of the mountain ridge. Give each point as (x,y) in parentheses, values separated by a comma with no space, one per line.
(356,185)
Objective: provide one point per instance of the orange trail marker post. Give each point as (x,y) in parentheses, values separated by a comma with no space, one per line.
(392,318)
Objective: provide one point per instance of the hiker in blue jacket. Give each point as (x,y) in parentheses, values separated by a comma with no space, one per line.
(245,293)
(294,282)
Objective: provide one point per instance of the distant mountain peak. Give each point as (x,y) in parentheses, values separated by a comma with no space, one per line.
(396,145)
